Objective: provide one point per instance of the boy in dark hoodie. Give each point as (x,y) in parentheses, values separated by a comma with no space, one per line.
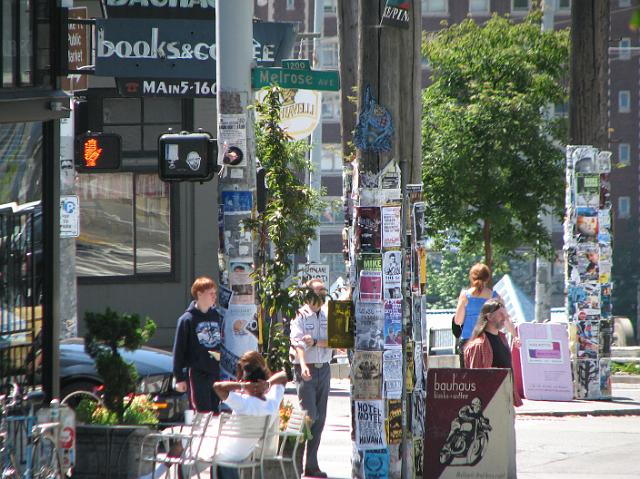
(196,349)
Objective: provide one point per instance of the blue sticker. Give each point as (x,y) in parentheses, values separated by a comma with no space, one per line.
(375,127)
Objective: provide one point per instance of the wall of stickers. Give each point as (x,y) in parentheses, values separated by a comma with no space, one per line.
(588,260)
(386,255)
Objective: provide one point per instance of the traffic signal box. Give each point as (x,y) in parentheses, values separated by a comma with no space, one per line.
(98,152)
(187,156)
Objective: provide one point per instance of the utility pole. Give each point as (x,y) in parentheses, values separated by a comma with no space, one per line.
(234,42)
(389,64)
(315,175)
(543,267)
(588,83)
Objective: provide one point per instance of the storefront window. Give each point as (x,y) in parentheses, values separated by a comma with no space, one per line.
(20,162)
(124,225)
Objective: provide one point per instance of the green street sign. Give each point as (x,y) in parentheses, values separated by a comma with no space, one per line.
(296,74)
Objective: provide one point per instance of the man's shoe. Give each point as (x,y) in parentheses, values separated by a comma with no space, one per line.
(315,473)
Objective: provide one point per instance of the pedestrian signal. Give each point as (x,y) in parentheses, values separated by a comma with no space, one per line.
(187,156)
(98,152)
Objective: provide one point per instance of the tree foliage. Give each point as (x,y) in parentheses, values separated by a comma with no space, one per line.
(106,333)
(286,226)
(489,159)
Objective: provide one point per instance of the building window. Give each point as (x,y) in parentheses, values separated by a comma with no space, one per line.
(624,101)
(330,7)
(624,207)
(434,6)
(331,106)
(561,110)
(520,6)
(329,53)
(333,214)
(16,43)
(624,48)
(125,225)
(331,157)
(141,121)
(563,5)
(478,6)
(336,264)
(624,153)
(624,3)
(291,4)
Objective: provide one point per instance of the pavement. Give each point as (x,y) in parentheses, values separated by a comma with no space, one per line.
(334,454)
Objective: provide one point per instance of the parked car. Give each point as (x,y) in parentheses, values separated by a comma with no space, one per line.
(154,367)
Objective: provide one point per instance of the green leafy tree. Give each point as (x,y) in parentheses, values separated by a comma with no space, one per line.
(286,226)
(489,159)
(448,273)
(106,333)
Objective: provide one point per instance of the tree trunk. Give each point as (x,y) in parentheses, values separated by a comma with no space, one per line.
(588,118)
(486,237)
(348,37)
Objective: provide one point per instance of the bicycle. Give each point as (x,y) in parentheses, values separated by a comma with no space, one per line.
(24,442)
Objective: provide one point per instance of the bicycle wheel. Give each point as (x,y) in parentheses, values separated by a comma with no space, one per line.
(46,460)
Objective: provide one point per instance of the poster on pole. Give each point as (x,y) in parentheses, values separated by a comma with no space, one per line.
(232,139)
(370,432)
(392,373)
(240,329)
(392,274)
(376,464)
(367,374)
(391,227)
(368,229)
(369,326)
(394,421)
(370,286)
(393,324)
(340,324)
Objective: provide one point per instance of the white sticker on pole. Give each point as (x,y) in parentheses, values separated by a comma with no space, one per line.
(69,216)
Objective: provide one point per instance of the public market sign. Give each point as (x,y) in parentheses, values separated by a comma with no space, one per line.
(296,74)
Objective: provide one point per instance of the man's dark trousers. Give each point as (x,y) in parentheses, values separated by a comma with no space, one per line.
(313,396)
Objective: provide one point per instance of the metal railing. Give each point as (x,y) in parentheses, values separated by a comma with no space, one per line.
(441,341)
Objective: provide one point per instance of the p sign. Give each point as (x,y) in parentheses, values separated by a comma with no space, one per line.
(315,270)
(69,216)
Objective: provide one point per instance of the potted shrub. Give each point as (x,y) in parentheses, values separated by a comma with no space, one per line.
(108,444)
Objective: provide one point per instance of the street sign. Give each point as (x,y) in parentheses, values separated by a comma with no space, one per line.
(69,216)
(314,271)
(296,74)
(77,52)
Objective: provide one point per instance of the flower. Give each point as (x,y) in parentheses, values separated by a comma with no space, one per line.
(286,408)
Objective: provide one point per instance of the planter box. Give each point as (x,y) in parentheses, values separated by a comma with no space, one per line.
(109,452)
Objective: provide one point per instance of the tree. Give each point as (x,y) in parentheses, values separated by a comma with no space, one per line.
(285,227)
(489,161)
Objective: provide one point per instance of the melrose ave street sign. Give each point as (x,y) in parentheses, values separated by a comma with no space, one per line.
(296,74)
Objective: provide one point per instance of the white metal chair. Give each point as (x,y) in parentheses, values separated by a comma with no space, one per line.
(294,433)
(237,428)
(191,437)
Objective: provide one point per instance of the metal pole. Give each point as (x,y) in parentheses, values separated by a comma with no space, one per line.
(315,175)
(543,267)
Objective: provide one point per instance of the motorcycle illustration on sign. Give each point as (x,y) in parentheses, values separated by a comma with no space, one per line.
(468,437)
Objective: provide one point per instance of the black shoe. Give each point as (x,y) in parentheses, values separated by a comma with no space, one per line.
(315,473)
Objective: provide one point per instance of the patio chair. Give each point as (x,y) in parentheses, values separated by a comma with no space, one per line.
(245,429)
(293,433)
(191,437)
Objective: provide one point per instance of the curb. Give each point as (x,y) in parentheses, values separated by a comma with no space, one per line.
(594,412)
(625,378)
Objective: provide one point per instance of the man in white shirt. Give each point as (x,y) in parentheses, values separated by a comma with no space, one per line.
(253,395)
(311,364)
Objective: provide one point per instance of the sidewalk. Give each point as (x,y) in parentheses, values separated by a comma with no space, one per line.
(335,450)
